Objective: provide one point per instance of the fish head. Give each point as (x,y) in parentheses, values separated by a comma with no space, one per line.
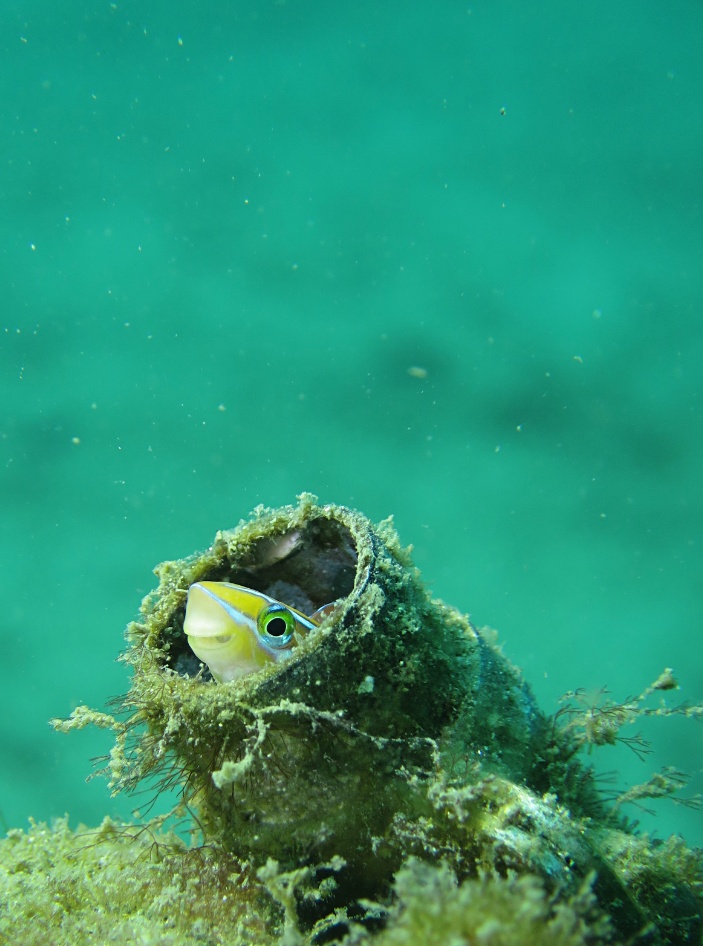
(237,631)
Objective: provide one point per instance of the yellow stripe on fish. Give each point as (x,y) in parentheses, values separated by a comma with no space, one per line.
(237,631)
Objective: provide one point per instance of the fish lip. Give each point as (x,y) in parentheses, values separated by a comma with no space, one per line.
(211,643)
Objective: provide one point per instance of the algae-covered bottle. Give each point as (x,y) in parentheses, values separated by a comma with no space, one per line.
(362,726)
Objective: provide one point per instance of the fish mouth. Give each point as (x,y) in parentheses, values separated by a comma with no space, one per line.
(211,643)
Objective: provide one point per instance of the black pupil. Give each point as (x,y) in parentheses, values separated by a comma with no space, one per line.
(276,627)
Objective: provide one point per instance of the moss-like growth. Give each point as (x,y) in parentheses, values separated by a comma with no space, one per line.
(397,734)
(434,910)
(124,886)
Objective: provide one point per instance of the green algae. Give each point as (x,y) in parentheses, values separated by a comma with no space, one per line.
(113,885)
(395,770)
(122,885)
(433,909)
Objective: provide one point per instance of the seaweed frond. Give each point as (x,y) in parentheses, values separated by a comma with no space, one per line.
(595,719)
(664,784)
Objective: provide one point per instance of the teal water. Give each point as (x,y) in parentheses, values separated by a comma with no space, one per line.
(437,260)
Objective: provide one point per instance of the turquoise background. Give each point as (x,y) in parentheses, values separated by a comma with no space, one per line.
(437,260)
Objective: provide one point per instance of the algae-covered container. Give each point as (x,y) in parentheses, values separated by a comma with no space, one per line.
(395,763)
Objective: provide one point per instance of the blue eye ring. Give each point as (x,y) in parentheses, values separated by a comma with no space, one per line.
(276,626)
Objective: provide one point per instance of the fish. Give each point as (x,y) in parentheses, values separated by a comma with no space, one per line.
(236,631)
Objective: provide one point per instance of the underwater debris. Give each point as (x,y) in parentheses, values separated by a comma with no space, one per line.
(394,729)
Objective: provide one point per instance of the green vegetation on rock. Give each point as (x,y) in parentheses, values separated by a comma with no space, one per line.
(394,780)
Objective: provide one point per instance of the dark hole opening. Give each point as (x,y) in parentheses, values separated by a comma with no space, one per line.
(305,569)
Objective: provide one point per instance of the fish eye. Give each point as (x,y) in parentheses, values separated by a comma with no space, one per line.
(276,625)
